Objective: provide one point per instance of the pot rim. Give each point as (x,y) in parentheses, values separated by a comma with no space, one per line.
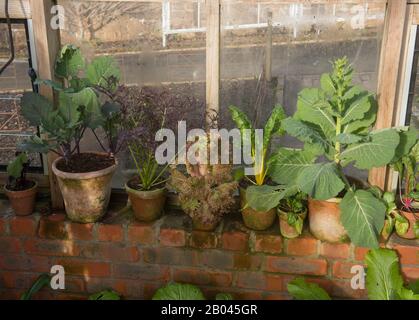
(83,175)
(281,212)
(21,191)
(331,200)
(146,193)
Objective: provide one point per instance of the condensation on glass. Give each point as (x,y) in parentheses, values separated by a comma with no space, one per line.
(270,50)
(156,43)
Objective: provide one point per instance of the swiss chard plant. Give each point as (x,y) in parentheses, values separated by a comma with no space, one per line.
(78,106)
(260,158)
(334,121)
(383,280)
(259,155)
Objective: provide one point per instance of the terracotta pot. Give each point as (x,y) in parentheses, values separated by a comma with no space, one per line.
(86,195)
(22,202)
(410,234)
(287,230)
(324,220)
(253,219)
(147,205)
(199,224)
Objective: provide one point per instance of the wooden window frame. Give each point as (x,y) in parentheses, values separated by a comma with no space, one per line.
(400,15)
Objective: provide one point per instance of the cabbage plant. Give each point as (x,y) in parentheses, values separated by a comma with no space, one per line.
(78,106)
(334,122)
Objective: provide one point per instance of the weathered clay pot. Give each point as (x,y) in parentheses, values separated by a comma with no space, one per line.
(22,202)
(410,234)
(86,195)
(199,224)
(324,220)
(287,230)
(253,219)
(147,205)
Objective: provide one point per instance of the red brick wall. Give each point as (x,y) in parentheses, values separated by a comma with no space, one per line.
(136,258)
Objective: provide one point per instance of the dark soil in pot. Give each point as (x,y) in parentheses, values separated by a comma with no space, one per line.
(22,186)
(85,162)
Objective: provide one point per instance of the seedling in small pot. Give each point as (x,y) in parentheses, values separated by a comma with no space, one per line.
(20,190)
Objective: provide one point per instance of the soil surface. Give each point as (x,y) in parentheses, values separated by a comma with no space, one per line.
(85,162)
(22,186)
(135,184)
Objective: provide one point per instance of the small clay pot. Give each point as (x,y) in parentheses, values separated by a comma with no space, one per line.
(410,234)
(22,202)
(253,219)
(287,230)
(324,220)
(86,195)
(147,205)
(199,224)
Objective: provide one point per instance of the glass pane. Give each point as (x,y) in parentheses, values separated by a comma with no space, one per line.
(158,44)
(13,82)
(305,37)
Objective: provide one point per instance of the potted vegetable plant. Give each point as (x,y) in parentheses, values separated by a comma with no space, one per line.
(206,191)
(407,167)
(20,190)
(292,212)
(254,216)
(149,110)
(334,123)
(84,178)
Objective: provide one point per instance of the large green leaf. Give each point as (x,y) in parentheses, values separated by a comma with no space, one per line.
(311,107)
(408,138)
(264,198)
(363,216)
(302,290)
(383,276)
(358,106)
(34,144)
(101,70)
(327,84)
(87,100)
(43,280)
(273,125)
(377,152)
(14,169)
(308,133)
(349,138)
(366,122)
(320,181)
(69,109)
(242,123)
(286,164)
(406,294)
(35,108)
(179,291)
(69,62)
